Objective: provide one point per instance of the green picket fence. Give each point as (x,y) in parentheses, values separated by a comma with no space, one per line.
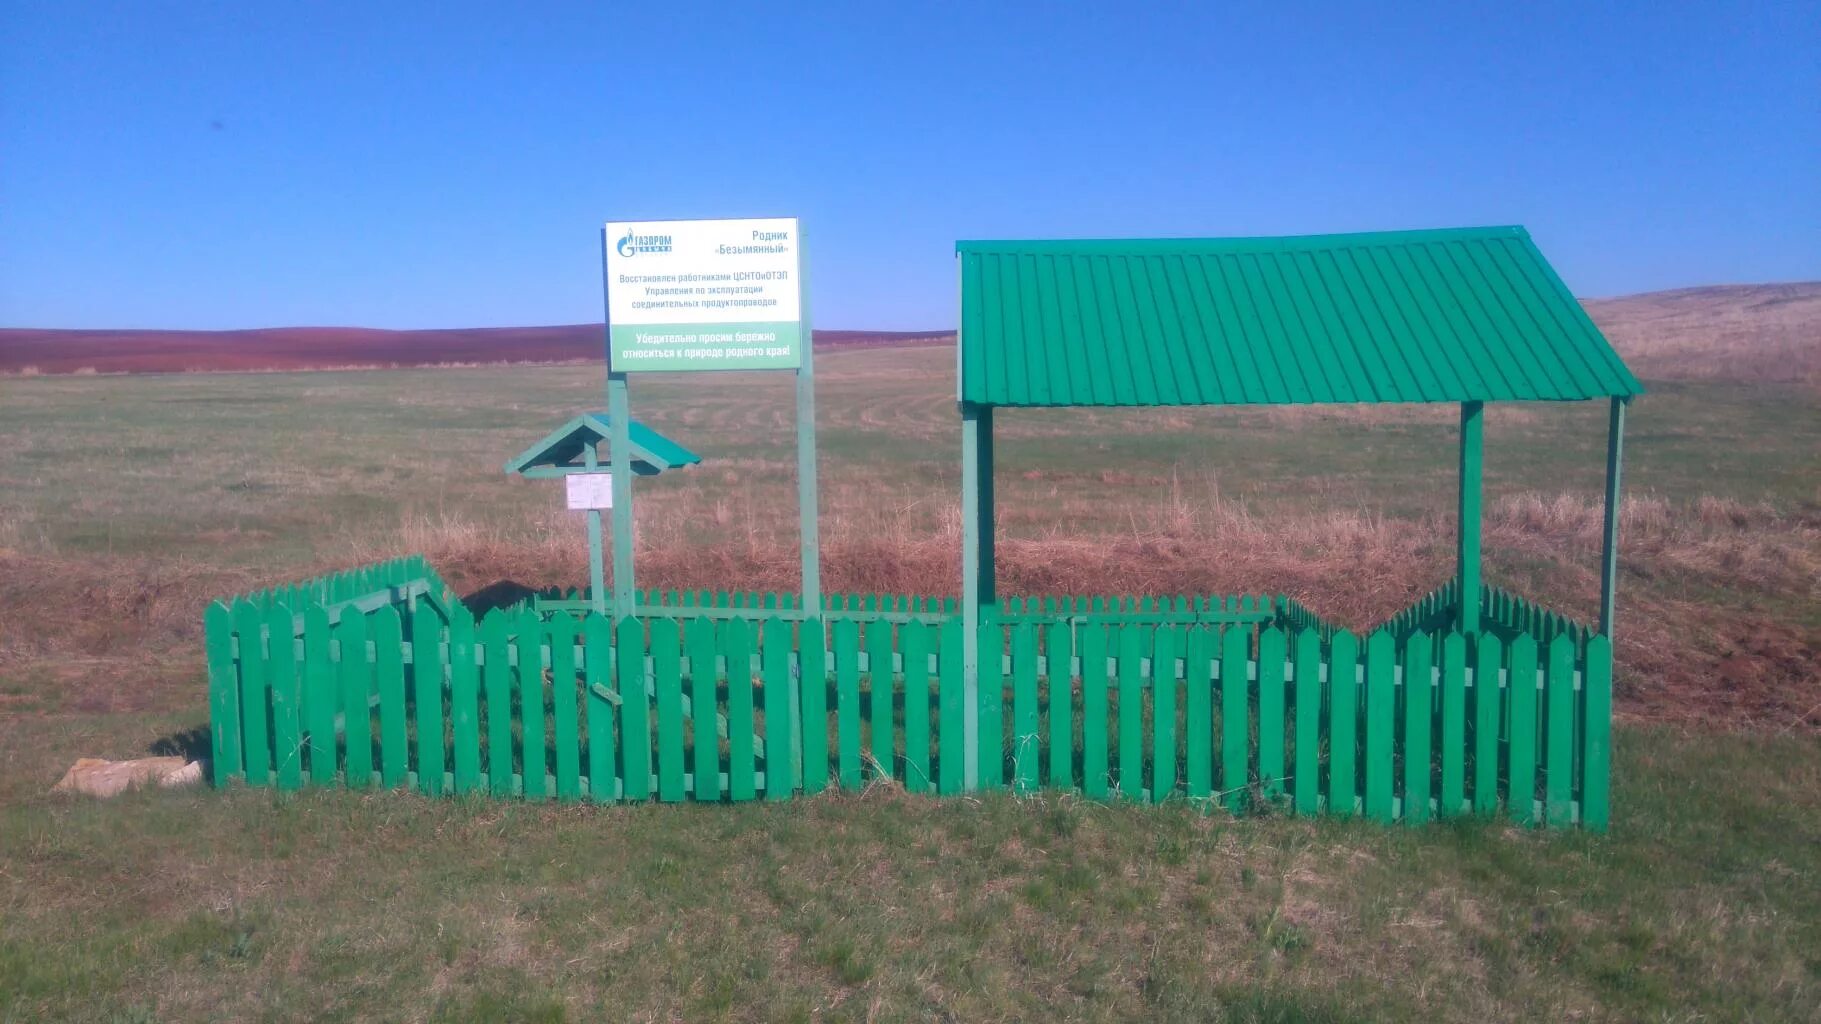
(755,605)
(1248,715)
(758,605)
(399,582)
(1509,615)
(1501,612)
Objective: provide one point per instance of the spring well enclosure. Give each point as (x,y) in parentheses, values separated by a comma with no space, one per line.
(1471,700)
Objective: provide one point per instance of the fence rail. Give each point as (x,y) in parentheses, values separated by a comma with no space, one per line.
(1271,708)
(755,606)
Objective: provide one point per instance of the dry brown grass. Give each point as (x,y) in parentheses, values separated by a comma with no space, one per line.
(1686,657)
(1691,647)
(1757,333)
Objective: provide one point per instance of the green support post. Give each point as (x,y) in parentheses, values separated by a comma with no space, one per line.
(977,596)
(1609,553)
(597,577)
(620,459)
(619,413)
(807,507)
(1468,573)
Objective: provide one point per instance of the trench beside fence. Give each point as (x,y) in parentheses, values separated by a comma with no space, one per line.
(1265,708)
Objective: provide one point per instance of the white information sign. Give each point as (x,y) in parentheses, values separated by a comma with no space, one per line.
(704,295)
(590,491)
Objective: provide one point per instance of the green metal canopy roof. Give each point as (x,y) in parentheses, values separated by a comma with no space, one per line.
(1449,315)
(560,453)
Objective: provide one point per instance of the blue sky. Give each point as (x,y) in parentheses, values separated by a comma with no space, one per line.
(260,164)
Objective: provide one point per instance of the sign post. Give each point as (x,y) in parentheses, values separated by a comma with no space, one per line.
(688,295)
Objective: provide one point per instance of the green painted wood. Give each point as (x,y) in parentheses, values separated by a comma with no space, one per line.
(1095,776)
(667,685)
(780,740)
(812,655)
(1558,735)
(978,596)
(742,766)
(1059,693)
(1198,715)
(1234,726)
(1596,754)
(880,693)
(951,691)
(846,651)
(704,686)
(1130,644)
(497,675)
(1521,698)
(282,680)
(255,705)
(914,642)
(528,680)
(1308,667)
(598,682)
(1488,697)
(321,694)
(1164,646)
(356,685)
(990,707)
(622,456)
(1381,722)
(1609,546)
(1468,534)
(1419,726)
(388,671)
(427,675)
(224,695)
(1343,723)
(464,704)
(1271,703)
(565,707)
(635,709)
(1027,741)
(1453,725)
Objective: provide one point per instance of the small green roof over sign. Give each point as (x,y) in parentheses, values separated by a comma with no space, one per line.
(561,453)
(1463,314)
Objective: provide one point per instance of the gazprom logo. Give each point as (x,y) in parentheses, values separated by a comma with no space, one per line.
(632,245)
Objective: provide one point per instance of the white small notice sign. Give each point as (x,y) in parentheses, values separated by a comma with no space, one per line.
(590,491)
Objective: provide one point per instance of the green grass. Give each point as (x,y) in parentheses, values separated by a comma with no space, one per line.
(1702,904)
(274,469)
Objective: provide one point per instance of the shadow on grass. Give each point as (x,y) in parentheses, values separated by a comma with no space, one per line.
(191,744)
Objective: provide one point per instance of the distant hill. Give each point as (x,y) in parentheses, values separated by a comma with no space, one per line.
(29,350)
(1747,332)
(1750,332)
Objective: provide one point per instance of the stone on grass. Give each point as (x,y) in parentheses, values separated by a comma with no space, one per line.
(97,777)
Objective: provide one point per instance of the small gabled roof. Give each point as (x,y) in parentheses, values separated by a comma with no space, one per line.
(1450,315)
(560,454)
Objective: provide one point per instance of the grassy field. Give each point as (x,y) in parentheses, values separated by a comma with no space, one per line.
(1702,905)
(127,503)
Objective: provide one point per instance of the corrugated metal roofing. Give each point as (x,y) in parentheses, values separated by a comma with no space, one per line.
(1446,315)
